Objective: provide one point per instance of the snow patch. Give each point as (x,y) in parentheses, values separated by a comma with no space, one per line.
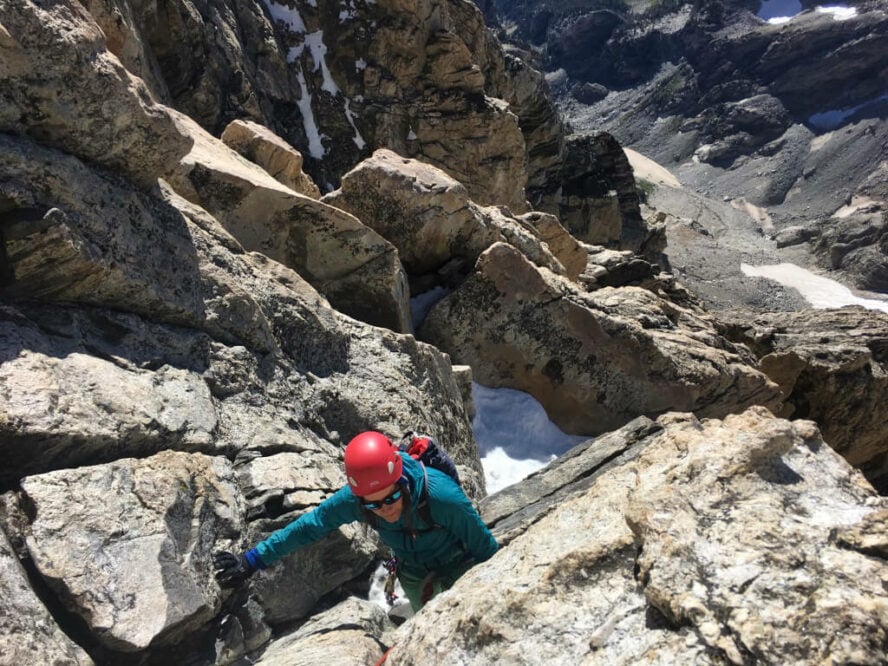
(833,119)
(421,304)
(315,145)
(515,436)
(819,291)
(839,12)
(350,116)
(290,17)
(318,50)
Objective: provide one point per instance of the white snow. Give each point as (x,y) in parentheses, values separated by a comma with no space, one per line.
(315,44)
(515,436)
(821,292)
(350,116)
(286,15)
(422,303)
(315,146)
(360,65)
(839,12)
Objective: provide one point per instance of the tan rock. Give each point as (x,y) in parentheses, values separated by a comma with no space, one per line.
(682,542)
(64,88)
(429,216)
(262,146)
(594,360)
(349,263)
(567,249)
(832,368)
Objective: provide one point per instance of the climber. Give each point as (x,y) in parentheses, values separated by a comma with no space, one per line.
(385,488)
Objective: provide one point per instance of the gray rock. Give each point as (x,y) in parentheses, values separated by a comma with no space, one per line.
(831,368)
(348,633)
(716,543)
(27,629)
(127,545)
(595,360)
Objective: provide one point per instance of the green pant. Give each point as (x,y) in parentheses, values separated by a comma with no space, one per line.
(420,590)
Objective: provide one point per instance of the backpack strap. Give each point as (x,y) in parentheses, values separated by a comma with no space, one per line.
(422,507)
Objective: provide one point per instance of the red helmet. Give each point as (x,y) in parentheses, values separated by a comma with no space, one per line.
(372,463)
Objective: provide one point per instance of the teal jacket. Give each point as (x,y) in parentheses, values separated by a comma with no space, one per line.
(458,533)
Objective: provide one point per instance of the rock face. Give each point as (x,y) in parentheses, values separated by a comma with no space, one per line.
(133,530)
(831,367)
(426,80)
(84,101)
(717,542)
(429,218)
(352,265)
(594,360)
(27,630)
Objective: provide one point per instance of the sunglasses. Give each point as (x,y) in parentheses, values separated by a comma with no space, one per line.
(377,504)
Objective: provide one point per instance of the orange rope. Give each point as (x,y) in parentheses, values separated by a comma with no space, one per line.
(384,656)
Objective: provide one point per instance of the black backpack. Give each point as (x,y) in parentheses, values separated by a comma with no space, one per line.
(427,451)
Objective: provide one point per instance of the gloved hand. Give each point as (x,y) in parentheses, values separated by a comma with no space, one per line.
(231,569)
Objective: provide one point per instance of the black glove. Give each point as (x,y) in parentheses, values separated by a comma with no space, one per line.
(231,569)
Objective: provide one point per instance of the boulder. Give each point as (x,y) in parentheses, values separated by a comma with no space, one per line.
(857,245)
(346,261)
(262,146)
(714,542)
(28,632)
(429,217)
(832,367)
(595,360)
(595,195)
(61,86)
(127,545)
(348,633)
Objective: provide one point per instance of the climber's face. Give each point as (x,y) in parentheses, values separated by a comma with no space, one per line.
(387,503)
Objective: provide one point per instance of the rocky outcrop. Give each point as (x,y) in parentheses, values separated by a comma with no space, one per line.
(683,554)
(857,245)
(425,80)
(27,629)
(262,146)
(63,88)
(832,366)
(429,217)
(595,359)
(595,196)
(349,263)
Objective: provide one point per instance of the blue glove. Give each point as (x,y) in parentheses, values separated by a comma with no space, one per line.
(232,570)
